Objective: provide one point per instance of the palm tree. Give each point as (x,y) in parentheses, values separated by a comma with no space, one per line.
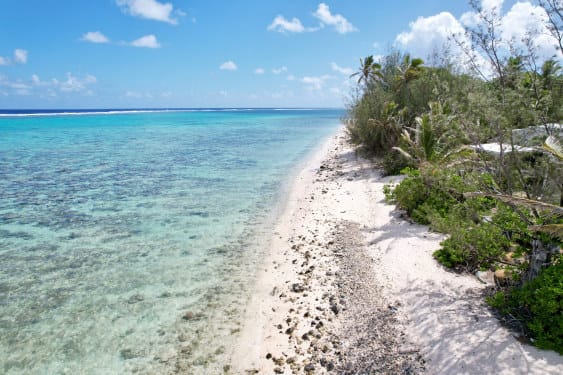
(410,69)
(428,144)
(369,70)
(549,73)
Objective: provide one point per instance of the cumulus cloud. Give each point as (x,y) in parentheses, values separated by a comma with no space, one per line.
(315,83)
(427,34)
(339,69)
(17,85)
(341,24)
(228,65)
(36,81)
(492,5)
(259,71)
(282,25)
(95,37)
(19,57)
(523,18)
(147,41)
(149,9)
(279,70)
(76,84)
(71,85)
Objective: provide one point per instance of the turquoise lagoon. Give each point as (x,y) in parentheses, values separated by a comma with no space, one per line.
(115,225)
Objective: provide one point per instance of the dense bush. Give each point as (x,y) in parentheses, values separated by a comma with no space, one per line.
(429,192)
(393,164)
(538,304)
(473,247)
(435,196)
(434,120)
(377,126)
(391,102)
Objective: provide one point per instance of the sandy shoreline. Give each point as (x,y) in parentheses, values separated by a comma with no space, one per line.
(349,287)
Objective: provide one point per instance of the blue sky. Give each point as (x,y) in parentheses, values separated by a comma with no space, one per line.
(205,53)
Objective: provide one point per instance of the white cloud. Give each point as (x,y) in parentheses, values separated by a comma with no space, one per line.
(489,7)
(282,25)
(228,65)
(290,77)
(18,85)
(149,9)
(492,5)
(76,84)
(72,84)
(20,56)
(523,18)
(133,94)
(147,41)
(279,70)
(35,79)
(341,24)
(315,83)
(259,71)
(339,69)
(95,37)
(427,34)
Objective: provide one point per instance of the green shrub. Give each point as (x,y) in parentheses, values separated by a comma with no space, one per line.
(394,163)
(428,193)
(538,304)
(477,243)
(411,193)
(472,248)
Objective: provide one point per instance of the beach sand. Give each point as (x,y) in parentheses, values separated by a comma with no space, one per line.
(348,286)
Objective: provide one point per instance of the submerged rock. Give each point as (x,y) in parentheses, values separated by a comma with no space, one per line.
(166,355)
(135,298)
(129,353)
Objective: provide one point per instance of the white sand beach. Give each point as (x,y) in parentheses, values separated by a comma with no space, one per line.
(348,286)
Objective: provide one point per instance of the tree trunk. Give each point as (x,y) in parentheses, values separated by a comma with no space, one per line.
(539,259)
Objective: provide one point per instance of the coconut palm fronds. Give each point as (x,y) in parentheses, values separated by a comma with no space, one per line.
(553,145)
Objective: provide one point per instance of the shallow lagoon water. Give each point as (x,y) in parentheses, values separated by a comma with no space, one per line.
(114,226)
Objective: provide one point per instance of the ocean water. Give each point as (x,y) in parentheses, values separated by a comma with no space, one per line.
(129,240)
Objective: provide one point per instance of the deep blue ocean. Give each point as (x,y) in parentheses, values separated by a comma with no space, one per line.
(114,224)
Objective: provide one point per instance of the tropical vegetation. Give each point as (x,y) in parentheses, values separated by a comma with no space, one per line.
(480,147)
